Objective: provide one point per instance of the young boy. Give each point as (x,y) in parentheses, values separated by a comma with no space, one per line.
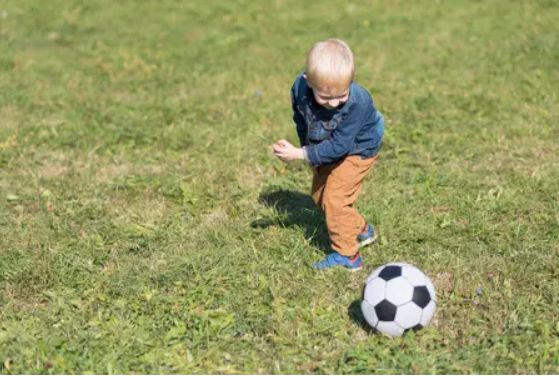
(340,132)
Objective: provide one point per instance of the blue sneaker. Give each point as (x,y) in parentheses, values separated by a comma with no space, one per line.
(353,263)
(368,236)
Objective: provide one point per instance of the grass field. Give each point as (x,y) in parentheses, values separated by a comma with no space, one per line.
(145,226)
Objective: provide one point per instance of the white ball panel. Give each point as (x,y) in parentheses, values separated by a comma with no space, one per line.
(390,328)
(402,264)
(374,274)
(399,291)
(413,275)
(428,313)
(369,313)
(408,315)
(374,291)
(377,271)
(431,288)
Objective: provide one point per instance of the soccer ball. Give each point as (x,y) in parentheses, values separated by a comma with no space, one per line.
(398,297)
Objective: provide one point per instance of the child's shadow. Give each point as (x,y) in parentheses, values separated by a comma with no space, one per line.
(295,209)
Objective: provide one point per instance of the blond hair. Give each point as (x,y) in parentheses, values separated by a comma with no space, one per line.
(330,65)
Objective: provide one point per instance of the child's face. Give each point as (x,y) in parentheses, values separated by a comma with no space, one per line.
(329,98)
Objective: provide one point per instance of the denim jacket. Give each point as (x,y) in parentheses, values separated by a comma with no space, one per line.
(354,128)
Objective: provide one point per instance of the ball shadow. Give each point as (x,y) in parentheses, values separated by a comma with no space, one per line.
(356,315)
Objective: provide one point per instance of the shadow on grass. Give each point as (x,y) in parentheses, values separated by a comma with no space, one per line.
(356,315)
(295,209)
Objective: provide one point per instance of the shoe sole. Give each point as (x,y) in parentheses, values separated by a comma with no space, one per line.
(355,269)
(368,241)
(345,267)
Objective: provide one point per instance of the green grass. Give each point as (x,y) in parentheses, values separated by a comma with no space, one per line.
(145,225)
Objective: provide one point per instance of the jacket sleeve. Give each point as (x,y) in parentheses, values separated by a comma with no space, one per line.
(298,118)
(340,142)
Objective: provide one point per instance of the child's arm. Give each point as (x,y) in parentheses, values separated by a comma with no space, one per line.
(285,150)
(298,119)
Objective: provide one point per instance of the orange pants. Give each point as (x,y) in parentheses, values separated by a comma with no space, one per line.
(335,188)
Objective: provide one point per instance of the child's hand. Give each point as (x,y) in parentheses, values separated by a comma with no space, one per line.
(287,152)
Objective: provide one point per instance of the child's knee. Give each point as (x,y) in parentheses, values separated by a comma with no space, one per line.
(332,198)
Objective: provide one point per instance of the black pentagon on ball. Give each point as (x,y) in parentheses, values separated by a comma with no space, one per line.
(385,311)
(421,296)
(391,271)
